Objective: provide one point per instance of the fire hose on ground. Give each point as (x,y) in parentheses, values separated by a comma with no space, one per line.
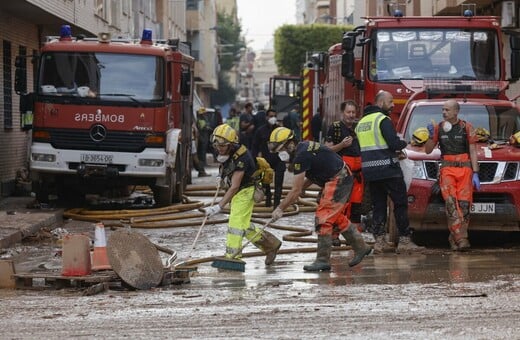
(182,215)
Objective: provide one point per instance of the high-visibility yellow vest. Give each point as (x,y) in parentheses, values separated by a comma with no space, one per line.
(369,133)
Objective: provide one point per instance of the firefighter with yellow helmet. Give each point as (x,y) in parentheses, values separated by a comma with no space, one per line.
(316,163)
(237,169)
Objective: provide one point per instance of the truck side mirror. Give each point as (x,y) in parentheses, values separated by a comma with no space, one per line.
(347,65)
(349,42)
(515,57)
(20,75)
(185,83)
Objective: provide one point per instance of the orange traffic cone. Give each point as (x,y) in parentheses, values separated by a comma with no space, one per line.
(99,256)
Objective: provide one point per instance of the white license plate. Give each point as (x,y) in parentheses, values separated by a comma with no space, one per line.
(96,158)
(483,208)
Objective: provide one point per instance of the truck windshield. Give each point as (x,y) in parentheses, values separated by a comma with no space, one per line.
(500,121)
(102,75)
(434,53)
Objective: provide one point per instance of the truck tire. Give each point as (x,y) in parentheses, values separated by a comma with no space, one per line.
(173,190)
(163,194)
(180,176)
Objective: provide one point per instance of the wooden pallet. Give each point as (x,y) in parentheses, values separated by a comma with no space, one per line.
(54,279)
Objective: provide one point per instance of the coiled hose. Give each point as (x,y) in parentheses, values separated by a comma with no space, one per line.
(183,215)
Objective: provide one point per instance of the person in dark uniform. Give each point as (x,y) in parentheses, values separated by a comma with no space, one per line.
(259,148)
(380,147)
(247,126)
(316,126)
(316,163)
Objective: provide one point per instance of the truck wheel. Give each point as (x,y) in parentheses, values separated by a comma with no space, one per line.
(163,194)
(179,180)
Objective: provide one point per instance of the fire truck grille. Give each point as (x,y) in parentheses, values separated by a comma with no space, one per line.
(114,141)
(487,174)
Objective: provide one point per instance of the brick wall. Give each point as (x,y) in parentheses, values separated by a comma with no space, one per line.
(14,33)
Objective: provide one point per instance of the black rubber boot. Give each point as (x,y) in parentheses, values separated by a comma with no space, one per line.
(276,201)
(322,262)
(361,249)
(268,195)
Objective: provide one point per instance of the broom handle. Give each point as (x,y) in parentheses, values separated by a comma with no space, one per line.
(254,236)
(204,221)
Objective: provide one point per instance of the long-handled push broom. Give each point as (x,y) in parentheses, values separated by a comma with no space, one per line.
(183,265)
(232,263)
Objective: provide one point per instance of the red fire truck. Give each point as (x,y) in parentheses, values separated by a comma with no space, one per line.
(422,61)
(108,114)
(387,50)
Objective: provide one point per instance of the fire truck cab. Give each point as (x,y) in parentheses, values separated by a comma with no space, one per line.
(387,50)
(109,113)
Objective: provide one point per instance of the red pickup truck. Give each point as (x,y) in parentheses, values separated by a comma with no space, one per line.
(496,206)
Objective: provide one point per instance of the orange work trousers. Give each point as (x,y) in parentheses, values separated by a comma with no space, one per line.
(456,187)
(330,210)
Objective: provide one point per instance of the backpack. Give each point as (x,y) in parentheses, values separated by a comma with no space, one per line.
(264,173)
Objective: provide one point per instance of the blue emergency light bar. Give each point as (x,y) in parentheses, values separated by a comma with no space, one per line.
(147,35)
(65,31)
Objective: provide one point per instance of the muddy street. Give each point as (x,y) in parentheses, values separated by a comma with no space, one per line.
(435,294)
(432,295)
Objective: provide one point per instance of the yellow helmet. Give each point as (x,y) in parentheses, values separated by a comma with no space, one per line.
(420,136)
(482,134)
(515,139)
(279,137)
(201,110)
(224,134)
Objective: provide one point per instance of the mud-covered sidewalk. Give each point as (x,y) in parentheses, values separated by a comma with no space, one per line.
(19,218)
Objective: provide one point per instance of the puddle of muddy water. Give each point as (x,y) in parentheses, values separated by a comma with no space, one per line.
(380,269)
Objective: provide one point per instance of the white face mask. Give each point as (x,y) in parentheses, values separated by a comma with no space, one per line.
(284,156)
(272,120)
(222,158)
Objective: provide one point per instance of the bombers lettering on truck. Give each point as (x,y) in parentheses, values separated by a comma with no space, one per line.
(99,118)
